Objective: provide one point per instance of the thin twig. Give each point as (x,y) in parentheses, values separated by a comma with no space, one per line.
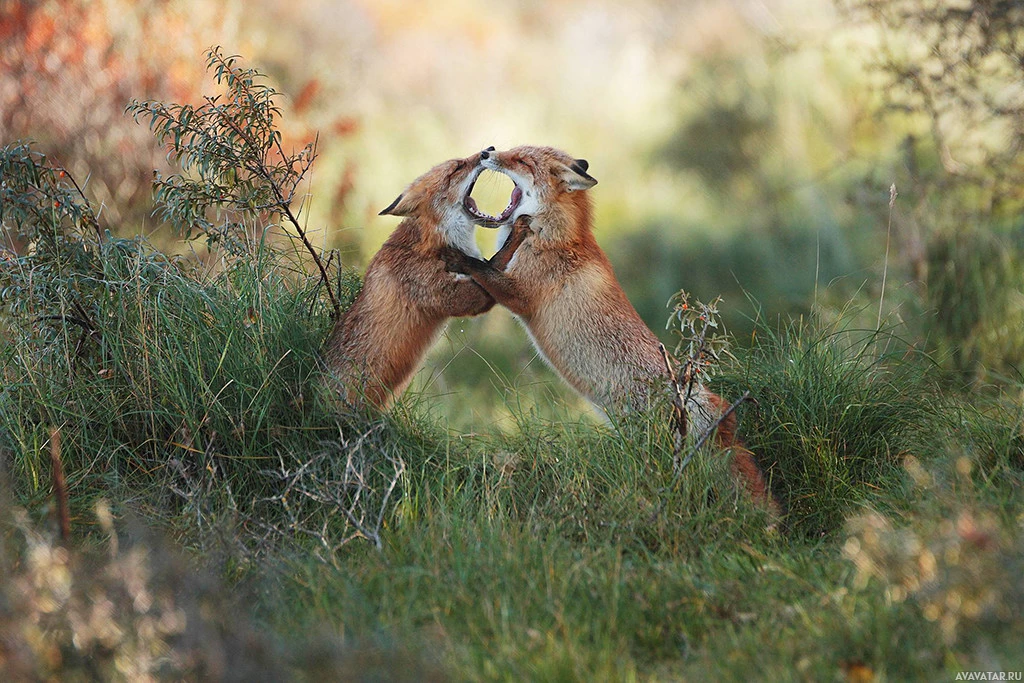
(354,495)
(399,471)
(84,324)
(94,219)
(60,488)
(285,207)
(885,264)
(678,406)
(693,451)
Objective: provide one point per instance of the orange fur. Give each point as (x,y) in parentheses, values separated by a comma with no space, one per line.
(562,287)
(407,296)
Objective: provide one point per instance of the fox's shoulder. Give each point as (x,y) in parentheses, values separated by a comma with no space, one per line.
(406,236)
(410,243)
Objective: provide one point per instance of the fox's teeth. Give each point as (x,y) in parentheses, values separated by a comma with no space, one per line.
(471,205)
(480,214)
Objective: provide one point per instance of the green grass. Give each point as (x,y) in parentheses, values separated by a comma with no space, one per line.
(186,370)
(838,411)
(546,547)
(230,521)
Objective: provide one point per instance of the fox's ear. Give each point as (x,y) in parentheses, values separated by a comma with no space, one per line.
(400,207)
(575,176)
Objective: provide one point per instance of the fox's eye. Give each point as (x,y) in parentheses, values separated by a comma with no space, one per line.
(527,166)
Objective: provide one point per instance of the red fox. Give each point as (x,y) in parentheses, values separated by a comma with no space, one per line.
(376,346)
(561,286)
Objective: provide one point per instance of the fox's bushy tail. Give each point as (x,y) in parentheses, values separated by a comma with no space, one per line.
(744,465)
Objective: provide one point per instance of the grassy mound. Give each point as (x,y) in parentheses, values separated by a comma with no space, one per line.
(187,400)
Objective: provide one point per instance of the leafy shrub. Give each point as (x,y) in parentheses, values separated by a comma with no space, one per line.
(156,370)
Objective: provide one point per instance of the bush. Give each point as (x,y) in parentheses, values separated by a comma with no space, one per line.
(837,412)
(159,374)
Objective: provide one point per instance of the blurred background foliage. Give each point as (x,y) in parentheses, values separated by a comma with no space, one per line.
(744,148)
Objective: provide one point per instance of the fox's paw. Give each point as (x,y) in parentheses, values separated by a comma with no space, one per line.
(521,228)
(456,261)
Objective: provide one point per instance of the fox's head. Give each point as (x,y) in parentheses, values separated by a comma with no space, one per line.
(437,200)
(549,186)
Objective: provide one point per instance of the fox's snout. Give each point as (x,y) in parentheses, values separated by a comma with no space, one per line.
(486,153)
(491,161)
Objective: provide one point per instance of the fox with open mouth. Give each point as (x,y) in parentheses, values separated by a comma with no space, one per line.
(375,348)
(561,286)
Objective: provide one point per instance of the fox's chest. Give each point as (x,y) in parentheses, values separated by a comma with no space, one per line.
(463,238)
(591,334)
(571,323)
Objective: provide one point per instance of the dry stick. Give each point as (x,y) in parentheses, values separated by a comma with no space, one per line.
(399,471)
(678,406)
(885,265)
(94,220)
(365,523)
(357,523)
(60,489)
(309,247)
(679,400)
(679,422)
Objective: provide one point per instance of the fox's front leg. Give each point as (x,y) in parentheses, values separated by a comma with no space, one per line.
(467,299)
(520,231)
(504,289)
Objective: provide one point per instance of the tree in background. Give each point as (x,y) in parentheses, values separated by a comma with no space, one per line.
(68,70)
(951,74)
